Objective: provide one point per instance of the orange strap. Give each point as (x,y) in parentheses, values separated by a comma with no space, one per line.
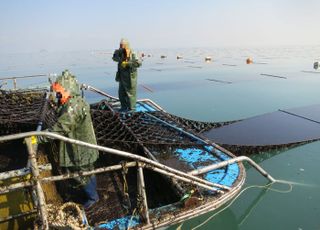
(59,88)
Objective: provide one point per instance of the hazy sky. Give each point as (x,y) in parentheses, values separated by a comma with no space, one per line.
(32,25)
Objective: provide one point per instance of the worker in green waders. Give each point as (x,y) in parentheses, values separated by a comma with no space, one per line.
(74,121)
(128,63)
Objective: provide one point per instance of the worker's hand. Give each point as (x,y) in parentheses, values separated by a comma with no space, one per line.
(124,64)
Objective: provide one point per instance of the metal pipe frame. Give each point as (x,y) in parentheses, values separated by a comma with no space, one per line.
(142,191)
(87,173)
(161,171)
(105,149)
(8,218)
(93,89)
(22,172)
(130,155)
(9,188)
(142,161)
(232,161)
(36,183)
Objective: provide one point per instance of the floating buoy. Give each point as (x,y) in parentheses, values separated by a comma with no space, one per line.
(179,57)
(163,56)
(208,59)
(142,55)
(249,60)
(316,65)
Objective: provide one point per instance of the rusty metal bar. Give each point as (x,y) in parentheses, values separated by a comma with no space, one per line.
(93,89)
(8,218)
(232,161)
(142,191)
(109,150)
(14,83)
(202,185)
(175,184)
(86,173)
(9,188)
(29,76)
(22,172)
(37,185)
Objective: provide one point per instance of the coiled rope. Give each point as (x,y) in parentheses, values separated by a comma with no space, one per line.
(68,216)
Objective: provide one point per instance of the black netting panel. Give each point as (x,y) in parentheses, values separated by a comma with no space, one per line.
(21,111)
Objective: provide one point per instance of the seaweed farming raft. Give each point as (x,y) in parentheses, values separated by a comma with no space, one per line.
(154,169)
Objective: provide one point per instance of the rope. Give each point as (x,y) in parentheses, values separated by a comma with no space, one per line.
(139,206)
(240,193)
(127,203)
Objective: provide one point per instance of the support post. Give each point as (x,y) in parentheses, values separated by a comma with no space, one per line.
(36,183)
(142,192)
(14,83)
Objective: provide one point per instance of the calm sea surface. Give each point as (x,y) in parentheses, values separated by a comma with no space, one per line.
(222,90)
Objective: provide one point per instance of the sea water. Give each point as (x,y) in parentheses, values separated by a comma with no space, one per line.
(222,90)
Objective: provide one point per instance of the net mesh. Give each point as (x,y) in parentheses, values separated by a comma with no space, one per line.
(22,110)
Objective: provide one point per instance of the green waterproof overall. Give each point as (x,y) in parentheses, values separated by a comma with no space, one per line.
(127,78)
(75,122)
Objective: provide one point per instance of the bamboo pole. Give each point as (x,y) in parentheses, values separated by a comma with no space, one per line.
(143,193)
(37,185)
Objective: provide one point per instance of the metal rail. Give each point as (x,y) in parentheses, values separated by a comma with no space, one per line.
(88,87)
(202,182)
(232,161)
(22,172)
(93,89)
(14,79)
(140,161)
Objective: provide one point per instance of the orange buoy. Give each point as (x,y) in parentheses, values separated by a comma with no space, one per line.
(249,60)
